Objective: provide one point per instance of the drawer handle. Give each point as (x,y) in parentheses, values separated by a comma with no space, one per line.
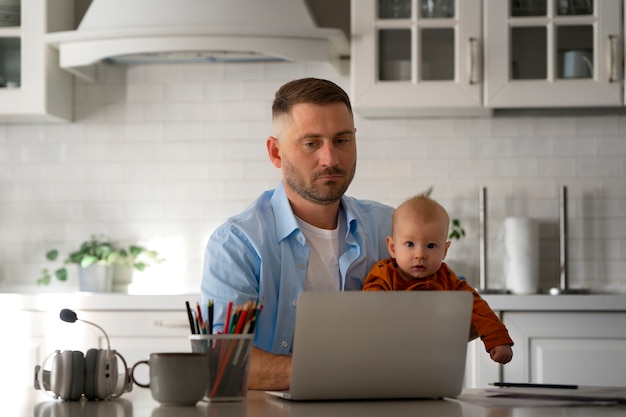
(474,61)
(173,323)
(613,59)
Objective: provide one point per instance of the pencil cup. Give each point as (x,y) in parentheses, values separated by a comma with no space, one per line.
(229,364)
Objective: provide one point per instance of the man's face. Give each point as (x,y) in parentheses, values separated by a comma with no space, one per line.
(316,151)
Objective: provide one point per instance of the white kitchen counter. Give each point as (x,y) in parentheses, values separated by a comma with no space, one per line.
(95,301)
(544,302)
(121,301)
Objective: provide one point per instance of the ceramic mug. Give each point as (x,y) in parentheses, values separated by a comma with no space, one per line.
(577,64)
(176,378)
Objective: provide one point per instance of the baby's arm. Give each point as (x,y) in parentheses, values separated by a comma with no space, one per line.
(501,354)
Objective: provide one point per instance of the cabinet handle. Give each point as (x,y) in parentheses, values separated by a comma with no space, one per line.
(613,58)
(474,61)
(171,323)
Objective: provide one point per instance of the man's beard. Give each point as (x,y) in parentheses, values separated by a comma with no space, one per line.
(323,194)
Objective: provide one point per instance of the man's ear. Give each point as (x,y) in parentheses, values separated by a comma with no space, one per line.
(273,151)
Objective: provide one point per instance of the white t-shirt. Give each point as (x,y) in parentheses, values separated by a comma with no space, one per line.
(322,271)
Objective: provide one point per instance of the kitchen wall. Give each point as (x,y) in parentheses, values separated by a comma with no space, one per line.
(161,155)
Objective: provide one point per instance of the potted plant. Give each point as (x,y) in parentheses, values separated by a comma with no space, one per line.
(95,258)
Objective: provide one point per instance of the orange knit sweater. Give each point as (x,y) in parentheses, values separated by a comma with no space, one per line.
(384,276)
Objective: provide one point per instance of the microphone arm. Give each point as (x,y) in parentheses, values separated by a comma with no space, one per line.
(70,316)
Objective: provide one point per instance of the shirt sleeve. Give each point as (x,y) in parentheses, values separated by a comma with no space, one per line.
(230,271)
(490,328)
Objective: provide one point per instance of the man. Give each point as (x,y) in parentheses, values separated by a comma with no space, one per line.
(305,234)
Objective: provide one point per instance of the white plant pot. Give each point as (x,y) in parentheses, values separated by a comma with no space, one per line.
(95,278)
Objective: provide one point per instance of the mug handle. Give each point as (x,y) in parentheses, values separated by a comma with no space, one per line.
(132,374)
(589,65)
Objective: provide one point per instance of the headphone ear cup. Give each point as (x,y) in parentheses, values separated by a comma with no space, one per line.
(68,375)
(91,374)
(106,374)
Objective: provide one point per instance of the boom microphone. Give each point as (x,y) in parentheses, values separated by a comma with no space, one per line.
(70,316)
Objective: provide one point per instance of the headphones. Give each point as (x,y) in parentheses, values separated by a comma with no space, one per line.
(74,374)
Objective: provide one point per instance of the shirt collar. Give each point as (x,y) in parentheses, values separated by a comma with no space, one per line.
(286,222)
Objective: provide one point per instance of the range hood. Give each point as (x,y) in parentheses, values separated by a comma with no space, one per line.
(160,31)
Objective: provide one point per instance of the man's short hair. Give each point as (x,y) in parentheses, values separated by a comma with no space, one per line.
(308,90)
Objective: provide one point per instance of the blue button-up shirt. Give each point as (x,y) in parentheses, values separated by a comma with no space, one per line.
(261,255)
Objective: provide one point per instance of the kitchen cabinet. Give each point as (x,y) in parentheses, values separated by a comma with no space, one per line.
(408,57)
(553,53)
(585,348)
(33,88)
(431,57)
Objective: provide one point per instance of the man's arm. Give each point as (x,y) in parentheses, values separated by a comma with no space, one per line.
(269,371)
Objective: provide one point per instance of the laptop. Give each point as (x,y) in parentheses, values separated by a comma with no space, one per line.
(379,345)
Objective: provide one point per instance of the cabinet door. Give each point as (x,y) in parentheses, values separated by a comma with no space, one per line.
(573,348)
(480,370)
(414,56)
(33,87)
(553,53)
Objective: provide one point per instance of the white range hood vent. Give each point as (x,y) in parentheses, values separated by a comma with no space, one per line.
(161,31)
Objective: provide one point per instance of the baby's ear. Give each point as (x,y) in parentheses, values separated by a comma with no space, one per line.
(391,247)
(445,252)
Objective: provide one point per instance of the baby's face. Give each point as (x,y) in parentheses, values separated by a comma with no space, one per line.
(419,247)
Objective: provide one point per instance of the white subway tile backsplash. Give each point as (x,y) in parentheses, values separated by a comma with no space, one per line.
(244,72)
(145,93)
(184,131)
(556,167)
(188,91)
(220,131)
(219,92)
(285,71)
(204,72)
(163,73)
(601,167)
(165,153)
(207,111)
(144,132)
(162,112)
(124,113)
(260,170)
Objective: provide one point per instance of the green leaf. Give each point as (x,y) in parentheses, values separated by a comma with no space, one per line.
(140,266)
(135,250)
(88,260)
(61,274)
(45,277)
(52,255)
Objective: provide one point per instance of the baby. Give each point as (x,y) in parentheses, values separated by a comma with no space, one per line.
(418,245)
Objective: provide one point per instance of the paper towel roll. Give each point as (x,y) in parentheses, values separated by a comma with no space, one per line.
(521,255)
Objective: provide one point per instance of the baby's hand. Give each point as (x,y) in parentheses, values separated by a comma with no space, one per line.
(501,354)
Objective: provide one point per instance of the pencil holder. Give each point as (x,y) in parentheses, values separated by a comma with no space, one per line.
(229,364)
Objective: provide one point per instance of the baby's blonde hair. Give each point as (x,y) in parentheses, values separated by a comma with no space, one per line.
(423,207)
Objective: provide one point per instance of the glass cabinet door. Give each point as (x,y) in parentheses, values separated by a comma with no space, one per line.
(416,54)
(547,53)
(10,44)
(33,88)
(10,62)
(434,46)
(573,39)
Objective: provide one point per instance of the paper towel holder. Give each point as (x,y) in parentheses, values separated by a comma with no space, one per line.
(482,220)
(563,287)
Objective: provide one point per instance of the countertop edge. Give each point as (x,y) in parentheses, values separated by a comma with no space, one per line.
(176,302)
